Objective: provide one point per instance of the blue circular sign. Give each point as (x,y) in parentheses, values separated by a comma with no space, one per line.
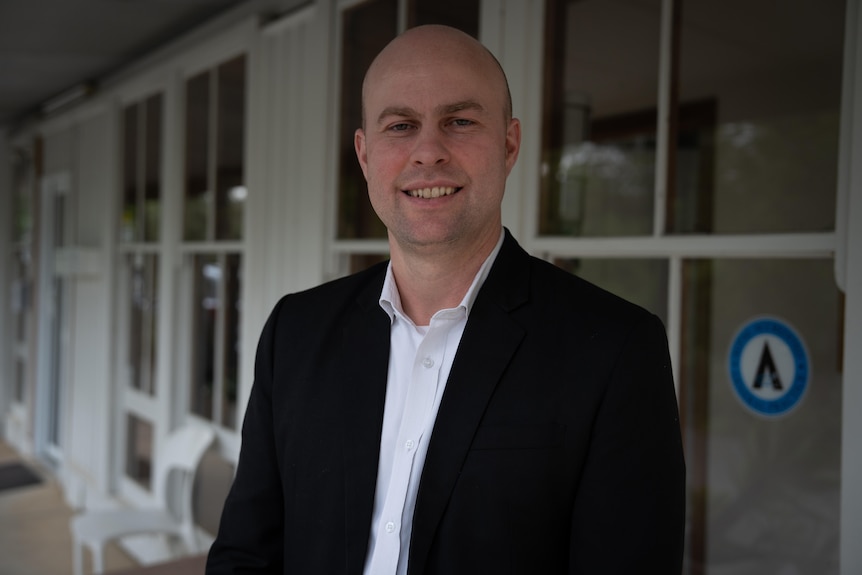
(769,367)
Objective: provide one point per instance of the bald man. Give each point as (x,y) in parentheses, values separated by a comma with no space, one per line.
(463,408)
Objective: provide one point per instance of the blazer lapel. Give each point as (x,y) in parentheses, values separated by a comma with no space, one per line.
(490,339)
(365,361)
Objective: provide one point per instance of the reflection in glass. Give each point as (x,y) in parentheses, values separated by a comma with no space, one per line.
(461,14)
(230,355)
(152,168)
(215,345)
(208,275)
(143,319)
(139,450)
(640,281)
(215,153)
(599,136)
(141,171)
(20,282)
(197,195)
(763,492)
(129,213)
(230,190)
(777,102)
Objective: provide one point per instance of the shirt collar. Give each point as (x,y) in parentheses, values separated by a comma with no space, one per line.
(390,299)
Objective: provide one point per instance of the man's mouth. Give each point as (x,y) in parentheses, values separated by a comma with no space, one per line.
(435,192)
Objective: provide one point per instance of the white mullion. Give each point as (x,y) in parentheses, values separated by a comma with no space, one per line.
(127,248)
(211,248)
(380,246)
(663,128)
(802,245)
(402,16)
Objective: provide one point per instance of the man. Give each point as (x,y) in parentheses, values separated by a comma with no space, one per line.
(466,408)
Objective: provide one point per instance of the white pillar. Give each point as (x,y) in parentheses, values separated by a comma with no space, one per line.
(851,448)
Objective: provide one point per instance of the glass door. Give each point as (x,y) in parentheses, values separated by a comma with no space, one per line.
(690,164)
(53,315)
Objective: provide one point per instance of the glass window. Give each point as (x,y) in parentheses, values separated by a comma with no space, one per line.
(129,213)
(197,183)
(641,281)
(143,287)
(214,213)
(230,189)
(140,218)
(763,472)
(22,268)
(366,29)
(139,450)
(206,303)
(230,356)
(141,171)
(754,118)
(599,125)
(152,168)
(776,99)
(215,337)
(215,153)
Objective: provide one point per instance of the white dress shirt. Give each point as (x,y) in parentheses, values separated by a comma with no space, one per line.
(420,359)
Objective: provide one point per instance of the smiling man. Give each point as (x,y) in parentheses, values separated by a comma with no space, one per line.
(464,408)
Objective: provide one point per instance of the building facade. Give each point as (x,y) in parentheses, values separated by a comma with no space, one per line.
(700,158)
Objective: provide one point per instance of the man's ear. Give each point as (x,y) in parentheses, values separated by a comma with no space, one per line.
(361,150)
(513,143)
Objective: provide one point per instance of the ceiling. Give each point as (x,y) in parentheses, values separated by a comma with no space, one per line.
(48,47)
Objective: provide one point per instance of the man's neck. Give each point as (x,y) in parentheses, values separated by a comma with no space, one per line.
(431,280)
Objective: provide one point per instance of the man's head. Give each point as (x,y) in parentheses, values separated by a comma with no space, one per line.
(492,62)
(438,139)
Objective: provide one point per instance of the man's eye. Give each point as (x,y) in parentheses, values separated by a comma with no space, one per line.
(403,127)
(462,122)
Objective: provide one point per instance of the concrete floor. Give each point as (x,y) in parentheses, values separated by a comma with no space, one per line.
(34,529)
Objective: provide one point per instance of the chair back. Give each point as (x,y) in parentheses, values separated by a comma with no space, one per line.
(181,453)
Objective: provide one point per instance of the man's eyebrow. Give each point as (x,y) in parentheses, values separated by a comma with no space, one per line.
(444,110)
(397,111)
(460,107)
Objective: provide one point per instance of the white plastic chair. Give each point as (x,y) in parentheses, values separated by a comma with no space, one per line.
(182,452)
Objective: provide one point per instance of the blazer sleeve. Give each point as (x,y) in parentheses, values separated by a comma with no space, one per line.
(251,531)
(629,511)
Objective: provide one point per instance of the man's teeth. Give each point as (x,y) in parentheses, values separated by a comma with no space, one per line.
(434,192)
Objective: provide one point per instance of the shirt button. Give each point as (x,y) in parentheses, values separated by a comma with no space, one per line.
(408,445)
(428,362)
(390,527)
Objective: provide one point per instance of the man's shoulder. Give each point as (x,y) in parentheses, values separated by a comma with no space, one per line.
(354,283)
(568,291)
(553,290)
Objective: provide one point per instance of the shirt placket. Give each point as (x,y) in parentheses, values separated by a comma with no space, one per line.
(422,389)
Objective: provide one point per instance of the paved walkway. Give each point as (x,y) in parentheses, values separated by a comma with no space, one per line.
(34,530)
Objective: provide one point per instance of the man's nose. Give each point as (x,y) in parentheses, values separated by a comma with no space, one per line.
(430,148)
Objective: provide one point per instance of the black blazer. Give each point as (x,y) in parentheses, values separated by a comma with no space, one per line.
(556,448)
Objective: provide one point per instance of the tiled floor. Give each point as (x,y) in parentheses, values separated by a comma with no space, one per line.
(34,529)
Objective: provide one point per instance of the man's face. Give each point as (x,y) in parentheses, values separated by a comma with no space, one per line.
(437,146)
